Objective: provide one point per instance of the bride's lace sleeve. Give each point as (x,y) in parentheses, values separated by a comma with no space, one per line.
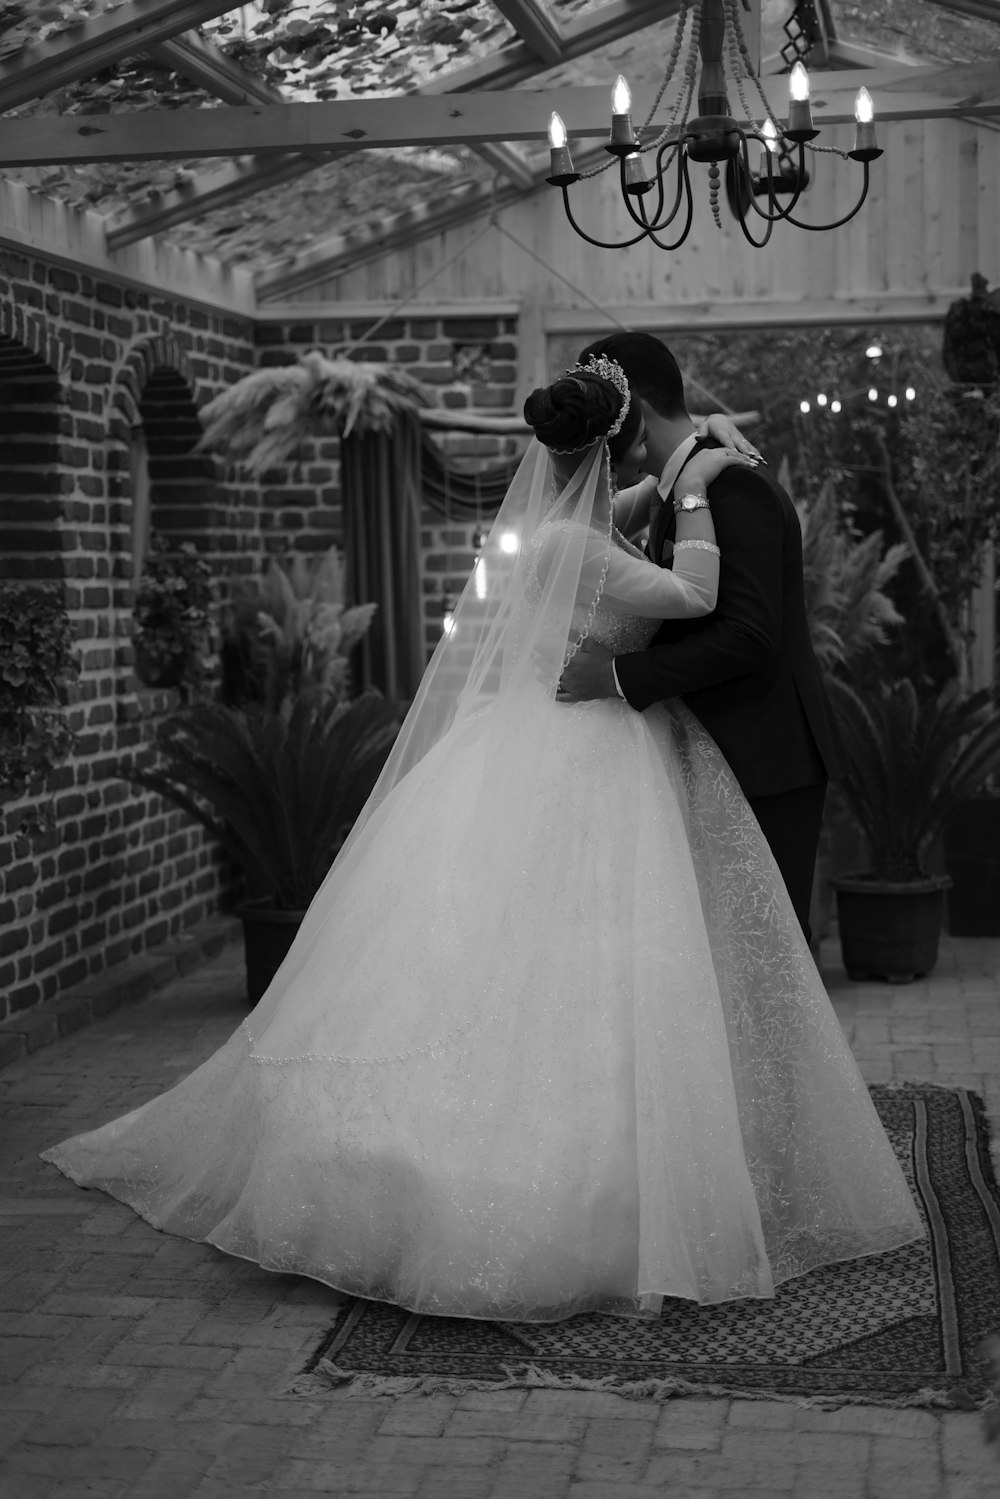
(639,587)
(633,583)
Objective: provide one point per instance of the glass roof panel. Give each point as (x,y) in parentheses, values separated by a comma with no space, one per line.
(329,49)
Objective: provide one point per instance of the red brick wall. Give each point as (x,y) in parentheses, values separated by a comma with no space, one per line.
(82,361)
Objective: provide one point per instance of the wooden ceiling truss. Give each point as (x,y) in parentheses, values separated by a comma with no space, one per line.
(269,141)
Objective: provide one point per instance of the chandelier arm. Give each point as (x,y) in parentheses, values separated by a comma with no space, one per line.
(837,223)
(658,223)
(651,231)
(775,212)
(758,244)
(599,243)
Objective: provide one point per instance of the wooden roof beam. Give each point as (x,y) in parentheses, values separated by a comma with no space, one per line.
(507,163)
(970,90)
(976,10)
(536,28)
(202,63)
(517,62)
(85,49)
(208,192)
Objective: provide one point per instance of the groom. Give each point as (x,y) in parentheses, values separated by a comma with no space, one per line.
(747,670)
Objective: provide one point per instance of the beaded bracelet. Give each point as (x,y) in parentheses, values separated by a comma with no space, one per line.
(698,546)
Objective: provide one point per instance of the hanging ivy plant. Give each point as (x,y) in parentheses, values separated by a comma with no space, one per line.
(173,616)
(37,666)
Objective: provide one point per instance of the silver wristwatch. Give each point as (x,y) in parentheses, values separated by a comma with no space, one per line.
(685,503)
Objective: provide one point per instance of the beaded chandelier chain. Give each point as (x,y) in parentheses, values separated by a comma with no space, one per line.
(715,36)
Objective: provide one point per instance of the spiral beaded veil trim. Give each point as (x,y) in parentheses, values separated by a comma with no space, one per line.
(610,370)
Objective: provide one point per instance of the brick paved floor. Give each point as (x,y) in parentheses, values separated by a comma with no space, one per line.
(135,1364)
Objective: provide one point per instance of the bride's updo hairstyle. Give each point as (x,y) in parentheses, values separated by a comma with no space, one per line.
(578,410)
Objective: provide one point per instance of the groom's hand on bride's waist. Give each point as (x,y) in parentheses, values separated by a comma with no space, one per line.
(588,675)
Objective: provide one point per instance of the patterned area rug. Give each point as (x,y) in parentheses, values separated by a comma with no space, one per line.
(903,1328)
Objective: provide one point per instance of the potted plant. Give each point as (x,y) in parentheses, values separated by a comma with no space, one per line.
(172,613)
(280,791)
(910,762)
(280,768)
(37,666)
(850,614)
(291,632)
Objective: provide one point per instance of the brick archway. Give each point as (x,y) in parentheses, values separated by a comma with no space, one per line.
(35,335)
(162,352)
(155,400)
(33,477)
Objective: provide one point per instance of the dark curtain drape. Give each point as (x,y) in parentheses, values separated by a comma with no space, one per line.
(381,485)
(454,491)
(385,477)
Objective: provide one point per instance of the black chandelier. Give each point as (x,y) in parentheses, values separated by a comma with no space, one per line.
(713,137)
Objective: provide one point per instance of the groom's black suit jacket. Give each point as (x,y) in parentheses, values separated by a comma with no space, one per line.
(747,670)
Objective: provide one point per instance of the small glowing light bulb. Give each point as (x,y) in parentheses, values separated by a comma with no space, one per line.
(864,109)
(874,351)
(557,132)
(508,542)
(872,393)
(834,405)
(890,400)
(798,83)
(621,97)
(768,144)
(804,407)
(821,399)
(911,394)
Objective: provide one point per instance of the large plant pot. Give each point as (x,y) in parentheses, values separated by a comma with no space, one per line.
(972,858)
(268,933)
(890,930)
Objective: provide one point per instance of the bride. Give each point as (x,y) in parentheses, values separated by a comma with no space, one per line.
(549,1039)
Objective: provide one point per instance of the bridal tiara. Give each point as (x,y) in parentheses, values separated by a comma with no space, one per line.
(610,370)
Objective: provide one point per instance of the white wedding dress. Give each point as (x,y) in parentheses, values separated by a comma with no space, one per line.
(571,1057)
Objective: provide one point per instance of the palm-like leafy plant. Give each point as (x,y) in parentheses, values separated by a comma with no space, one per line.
(280,791)
(291,632)
(845,577)
(910,763)
(265,417)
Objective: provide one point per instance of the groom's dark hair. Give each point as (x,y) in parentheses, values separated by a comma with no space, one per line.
(651,370)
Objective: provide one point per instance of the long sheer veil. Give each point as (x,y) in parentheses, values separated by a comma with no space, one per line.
(510,633)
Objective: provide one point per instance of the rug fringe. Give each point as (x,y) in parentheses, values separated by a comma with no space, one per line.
(328,1376)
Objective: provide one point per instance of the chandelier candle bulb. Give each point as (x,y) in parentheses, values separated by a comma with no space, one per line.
(866,147)
(623,138)
(636,180)
(800,125)
(768,145)
(561,171)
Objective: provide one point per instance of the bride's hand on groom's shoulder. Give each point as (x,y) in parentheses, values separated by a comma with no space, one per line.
(588,675)
(724,430)
(705,466)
